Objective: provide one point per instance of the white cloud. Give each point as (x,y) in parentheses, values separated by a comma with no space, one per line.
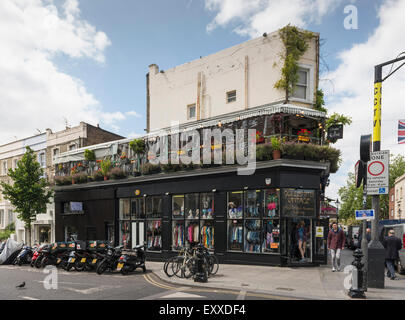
(353,83)
(133,113)
(257,16)
(34,92)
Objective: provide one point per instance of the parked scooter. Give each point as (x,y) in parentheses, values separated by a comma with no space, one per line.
(110,260)
(53,254)
(24,257)
(131,260)
(38,256)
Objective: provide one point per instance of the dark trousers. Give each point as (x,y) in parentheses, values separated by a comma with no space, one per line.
(390,266)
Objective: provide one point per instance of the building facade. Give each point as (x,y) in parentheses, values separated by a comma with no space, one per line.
(250,218)
(391,206)
(232,80)
(46,146)
(400,197)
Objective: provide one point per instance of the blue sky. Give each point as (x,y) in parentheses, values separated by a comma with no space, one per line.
(84,60)
(171,33)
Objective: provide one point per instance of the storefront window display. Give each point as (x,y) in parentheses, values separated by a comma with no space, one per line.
(140,222)
(192,222)
(251,224)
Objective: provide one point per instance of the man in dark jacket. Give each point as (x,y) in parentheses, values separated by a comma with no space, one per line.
(392,245)
(336,243)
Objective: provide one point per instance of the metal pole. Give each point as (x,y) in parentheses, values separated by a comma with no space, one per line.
(376,256)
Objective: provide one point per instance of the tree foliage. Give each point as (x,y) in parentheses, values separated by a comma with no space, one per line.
(28,192)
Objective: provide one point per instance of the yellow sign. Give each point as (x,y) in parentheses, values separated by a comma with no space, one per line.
(377,112)
(319,232)
(137,192)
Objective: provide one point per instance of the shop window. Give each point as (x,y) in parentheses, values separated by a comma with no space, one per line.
(253,224)
(253,203)
(137,208)
(193,223)
(271,236)
(235,205)
(73,207)
(153,207)
(71,233)
(154,235)
(178,206)
(235,235)
(125,209)
(301,87)
(272,203)
(125,234)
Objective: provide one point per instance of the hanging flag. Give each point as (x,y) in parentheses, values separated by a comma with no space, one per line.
(401,131)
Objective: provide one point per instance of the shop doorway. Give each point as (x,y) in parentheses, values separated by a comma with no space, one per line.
(299,240)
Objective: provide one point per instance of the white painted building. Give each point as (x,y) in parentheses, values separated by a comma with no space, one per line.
(231,80)
(399,211)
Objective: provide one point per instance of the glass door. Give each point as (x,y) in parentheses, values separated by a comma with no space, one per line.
(298,240)
(320,231)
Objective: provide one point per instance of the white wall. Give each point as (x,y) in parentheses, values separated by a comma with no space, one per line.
(174,89)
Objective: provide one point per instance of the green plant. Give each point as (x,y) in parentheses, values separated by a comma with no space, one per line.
(320,102)
(137,146)
(79,177)
(264,152)
(105,166)
(296,43)
(117,173)
(98,176)
(149,168)
(89,155)
(276,143)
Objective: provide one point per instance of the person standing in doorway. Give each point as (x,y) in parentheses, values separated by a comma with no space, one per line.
(392,245)
(336,243)
(302,240)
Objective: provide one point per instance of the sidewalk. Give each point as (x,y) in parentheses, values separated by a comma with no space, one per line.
(302,283)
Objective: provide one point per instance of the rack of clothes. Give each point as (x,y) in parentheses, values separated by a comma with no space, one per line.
(252,236)
(207,236)
(271,205)
(235,237)
(154,238)
(155,243)
(178,235)
(193,233)
(271,237)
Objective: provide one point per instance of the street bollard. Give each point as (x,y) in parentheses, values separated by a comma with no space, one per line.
(357,289)
(200,274)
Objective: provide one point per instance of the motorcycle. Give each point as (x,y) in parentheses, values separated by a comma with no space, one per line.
(131,260)
(53,254)
(110,260)
(38,256)
(24,257)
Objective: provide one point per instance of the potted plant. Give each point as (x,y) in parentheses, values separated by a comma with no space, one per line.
(138,146)
(276,145)
(105,168)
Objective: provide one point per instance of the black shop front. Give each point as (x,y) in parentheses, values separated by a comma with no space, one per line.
(268,218)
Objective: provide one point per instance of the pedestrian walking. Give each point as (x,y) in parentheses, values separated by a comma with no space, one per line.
(368,236)
(392,245)
(336,243)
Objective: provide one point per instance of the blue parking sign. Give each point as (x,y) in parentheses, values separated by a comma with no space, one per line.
(381,190)
(365,214)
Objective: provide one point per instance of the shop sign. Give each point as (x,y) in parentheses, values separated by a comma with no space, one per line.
(365,214)
(335,132)
(298,203)
(319,232)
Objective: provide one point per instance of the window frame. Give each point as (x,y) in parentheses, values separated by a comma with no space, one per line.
(228,93)
(189,107)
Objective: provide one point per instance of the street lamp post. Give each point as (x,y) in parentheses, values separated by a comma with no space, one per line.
(376,252)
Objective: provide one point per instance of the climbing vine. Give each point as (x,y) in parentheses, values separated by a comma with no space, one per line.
(296,44)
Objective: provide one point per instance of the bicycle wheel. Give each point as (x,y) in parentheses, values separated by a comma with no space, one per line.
(213,264)
(187,269)
(167,267)
(177,266)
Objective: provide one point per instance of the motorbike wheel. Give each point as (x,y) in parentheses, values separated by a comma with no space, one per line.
(32,263)
(144,269)
(102,267)
(79,266)
(69,266)
(19,262)
(44,262)
(125,270)
(38,262)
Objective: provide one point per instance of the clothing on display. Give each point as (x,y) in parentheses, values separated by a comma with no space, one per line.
(236,237)
(178,236)
(271,240)
(207,237)
(271,205)
(193,233)
(252,235)
(154,238)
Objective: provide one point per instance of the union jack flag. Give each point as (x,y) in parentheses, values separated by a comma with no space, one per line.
(401,131)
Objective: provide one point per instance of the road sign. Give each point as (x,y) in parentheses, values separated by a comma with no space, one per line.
(365,214)
(378,173)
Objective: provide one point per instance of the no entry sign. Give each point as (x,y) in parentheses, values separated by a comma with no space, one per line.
(378,172)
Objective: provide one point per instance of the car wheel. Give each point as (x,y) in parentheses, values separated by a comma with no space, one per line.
(401,269)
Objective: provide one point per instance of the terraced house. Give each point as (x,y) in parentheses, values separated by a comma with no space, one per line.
(46,146)
(150,197)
